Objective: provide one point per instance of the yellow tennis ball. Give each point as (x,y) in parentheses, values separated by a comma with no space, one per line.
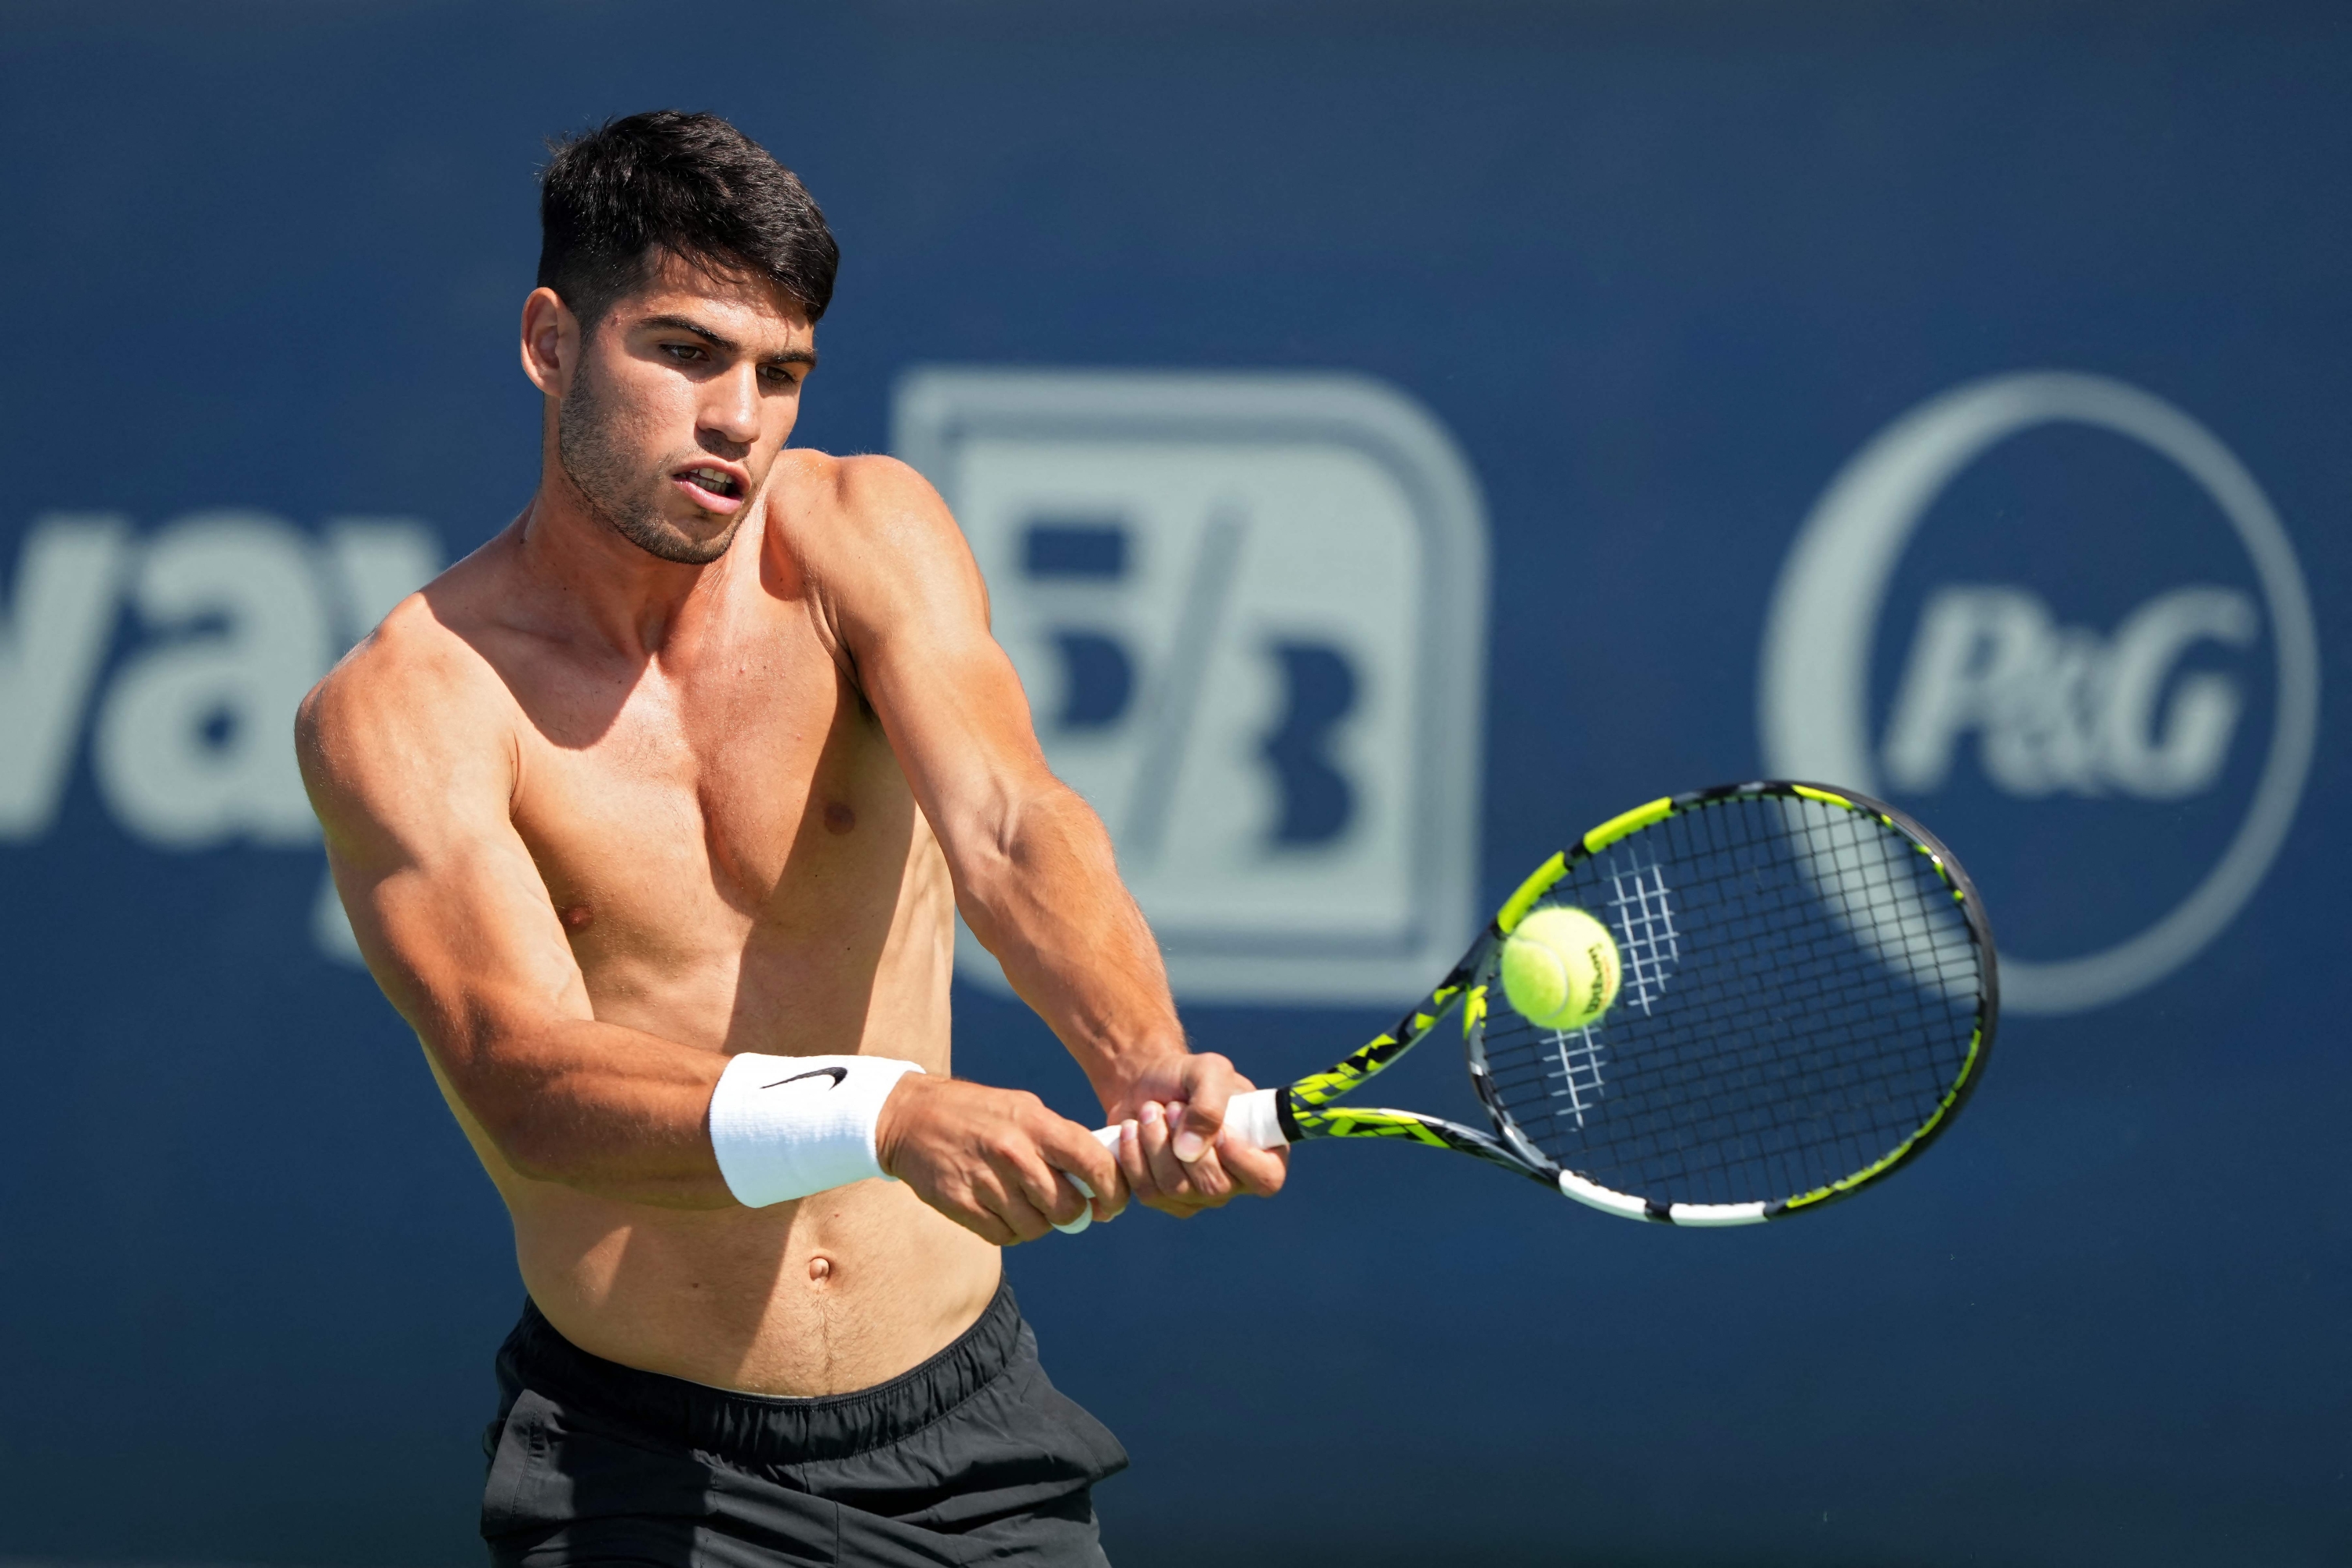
(1560,968)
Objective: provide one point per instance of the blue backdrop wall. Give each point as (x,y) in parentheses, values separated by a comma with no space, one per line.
(1659,274)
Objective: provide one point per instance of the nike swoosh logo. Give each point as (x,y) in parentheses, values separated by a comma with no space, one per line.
(837,1073)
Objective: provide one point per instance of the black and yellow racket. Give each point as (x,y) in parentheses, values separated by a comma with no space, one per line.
(1801,996)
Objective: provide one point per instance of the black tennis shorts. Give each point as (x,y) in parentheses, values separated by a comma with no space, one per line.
(973,1457)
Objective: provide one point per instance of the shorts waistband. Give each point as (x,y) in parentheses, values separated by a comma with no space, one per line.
(754,1428)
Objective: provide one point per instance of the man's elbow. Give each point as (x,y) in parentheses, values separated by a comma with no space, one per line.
(535,1151)
(1035,844)
(512,1111)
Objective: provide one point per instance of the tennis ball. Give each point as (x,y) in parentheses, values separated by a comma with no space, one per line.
(1560,968)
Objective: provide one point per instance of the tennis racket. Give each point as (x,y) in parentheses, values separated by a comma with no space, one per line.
(1807,996)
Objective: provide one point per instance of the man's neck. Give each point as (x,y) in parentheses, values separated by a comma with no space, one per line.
(599,581)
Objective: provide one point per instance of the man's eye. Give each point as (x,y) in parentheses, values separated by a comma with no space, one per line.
(687,351)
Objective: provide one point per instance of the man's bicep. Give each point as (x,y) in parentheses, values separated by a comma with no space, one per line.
(957,716)
(960,723)
(944,690)
(446,903)
(462,939)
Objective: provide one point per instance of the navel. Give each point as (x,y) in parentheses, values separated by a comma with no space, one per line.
(838,817)
(820,1269)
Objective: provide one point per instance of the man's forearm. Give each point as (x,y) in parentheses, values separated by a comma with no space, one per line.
(1046,898)
(608,1110)
(1050,905)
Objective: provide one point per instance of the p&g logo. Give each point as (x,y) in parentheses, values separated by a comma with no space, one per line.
(2131,711)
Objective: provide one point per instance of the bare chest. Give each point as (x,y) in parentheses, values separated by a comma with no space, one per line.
(738,807)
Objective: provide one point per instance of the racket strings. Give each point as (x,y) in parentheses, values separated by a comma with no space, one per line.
(1799,996)
(1642,914)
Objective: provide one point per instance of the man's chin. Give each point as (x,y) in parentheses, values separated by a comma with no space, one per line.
(685,545)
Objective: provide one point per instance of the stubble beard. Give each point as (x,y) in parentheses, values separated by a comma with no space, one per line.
(608,480)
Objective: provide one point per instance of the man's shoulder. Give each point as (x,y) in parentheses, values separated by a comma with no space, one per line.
(876,502)
(415,680)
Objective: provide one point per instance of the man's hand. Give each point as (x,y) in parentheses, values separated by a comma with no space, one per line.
(992,1159)
(1173,1155)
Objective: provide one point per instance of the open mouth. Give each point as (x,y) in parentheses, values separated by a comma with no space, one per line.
(714,481)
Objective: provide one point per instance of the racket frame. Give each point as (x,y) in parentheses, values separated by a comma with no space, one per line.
(1305,1108)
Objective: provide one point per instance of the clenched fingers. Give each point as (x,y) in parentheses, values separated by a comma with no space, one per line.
(1167,1184)
(994,1209)
(1074,1151)
(1257,1171)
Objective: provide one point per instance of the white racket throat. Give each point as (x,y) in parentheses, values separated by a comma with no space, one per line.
(1625,1206)
(1250,1119)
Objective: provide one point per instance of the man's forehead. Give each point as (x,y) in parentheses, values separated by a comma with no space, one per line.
(749,309)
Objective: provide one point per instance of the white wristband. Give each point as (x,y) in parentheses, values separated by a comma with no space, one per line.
(784,1127)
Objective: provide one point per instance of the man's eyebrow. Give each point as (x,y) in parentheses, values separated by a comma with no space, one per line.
(684,324)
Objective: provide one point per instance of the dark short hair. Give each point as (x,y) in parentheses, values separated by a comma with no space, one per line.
(611,201)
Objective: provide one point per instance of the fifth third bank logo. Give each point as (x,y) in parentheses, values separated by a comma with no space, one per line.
(1248,611)
(2142,710)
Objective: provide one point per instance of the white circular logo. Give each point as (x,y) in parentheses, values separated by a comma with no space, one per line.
(2093,723)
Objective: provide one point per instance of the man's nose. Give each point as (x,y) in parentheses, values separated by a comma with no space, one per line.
(731,405)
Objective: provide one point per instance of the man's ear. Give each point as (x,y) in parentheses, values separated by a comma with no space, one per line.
(550,342)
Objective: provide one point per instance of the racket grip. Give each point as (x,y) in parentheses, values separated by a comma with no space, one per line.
(1250,1119)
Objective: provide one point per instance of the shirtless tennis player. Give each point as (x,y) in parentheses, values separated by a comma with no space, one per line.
(653,816)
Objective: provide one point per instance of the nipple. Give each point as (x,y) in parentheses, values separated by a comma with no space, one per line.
(577,917)
(838,817)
